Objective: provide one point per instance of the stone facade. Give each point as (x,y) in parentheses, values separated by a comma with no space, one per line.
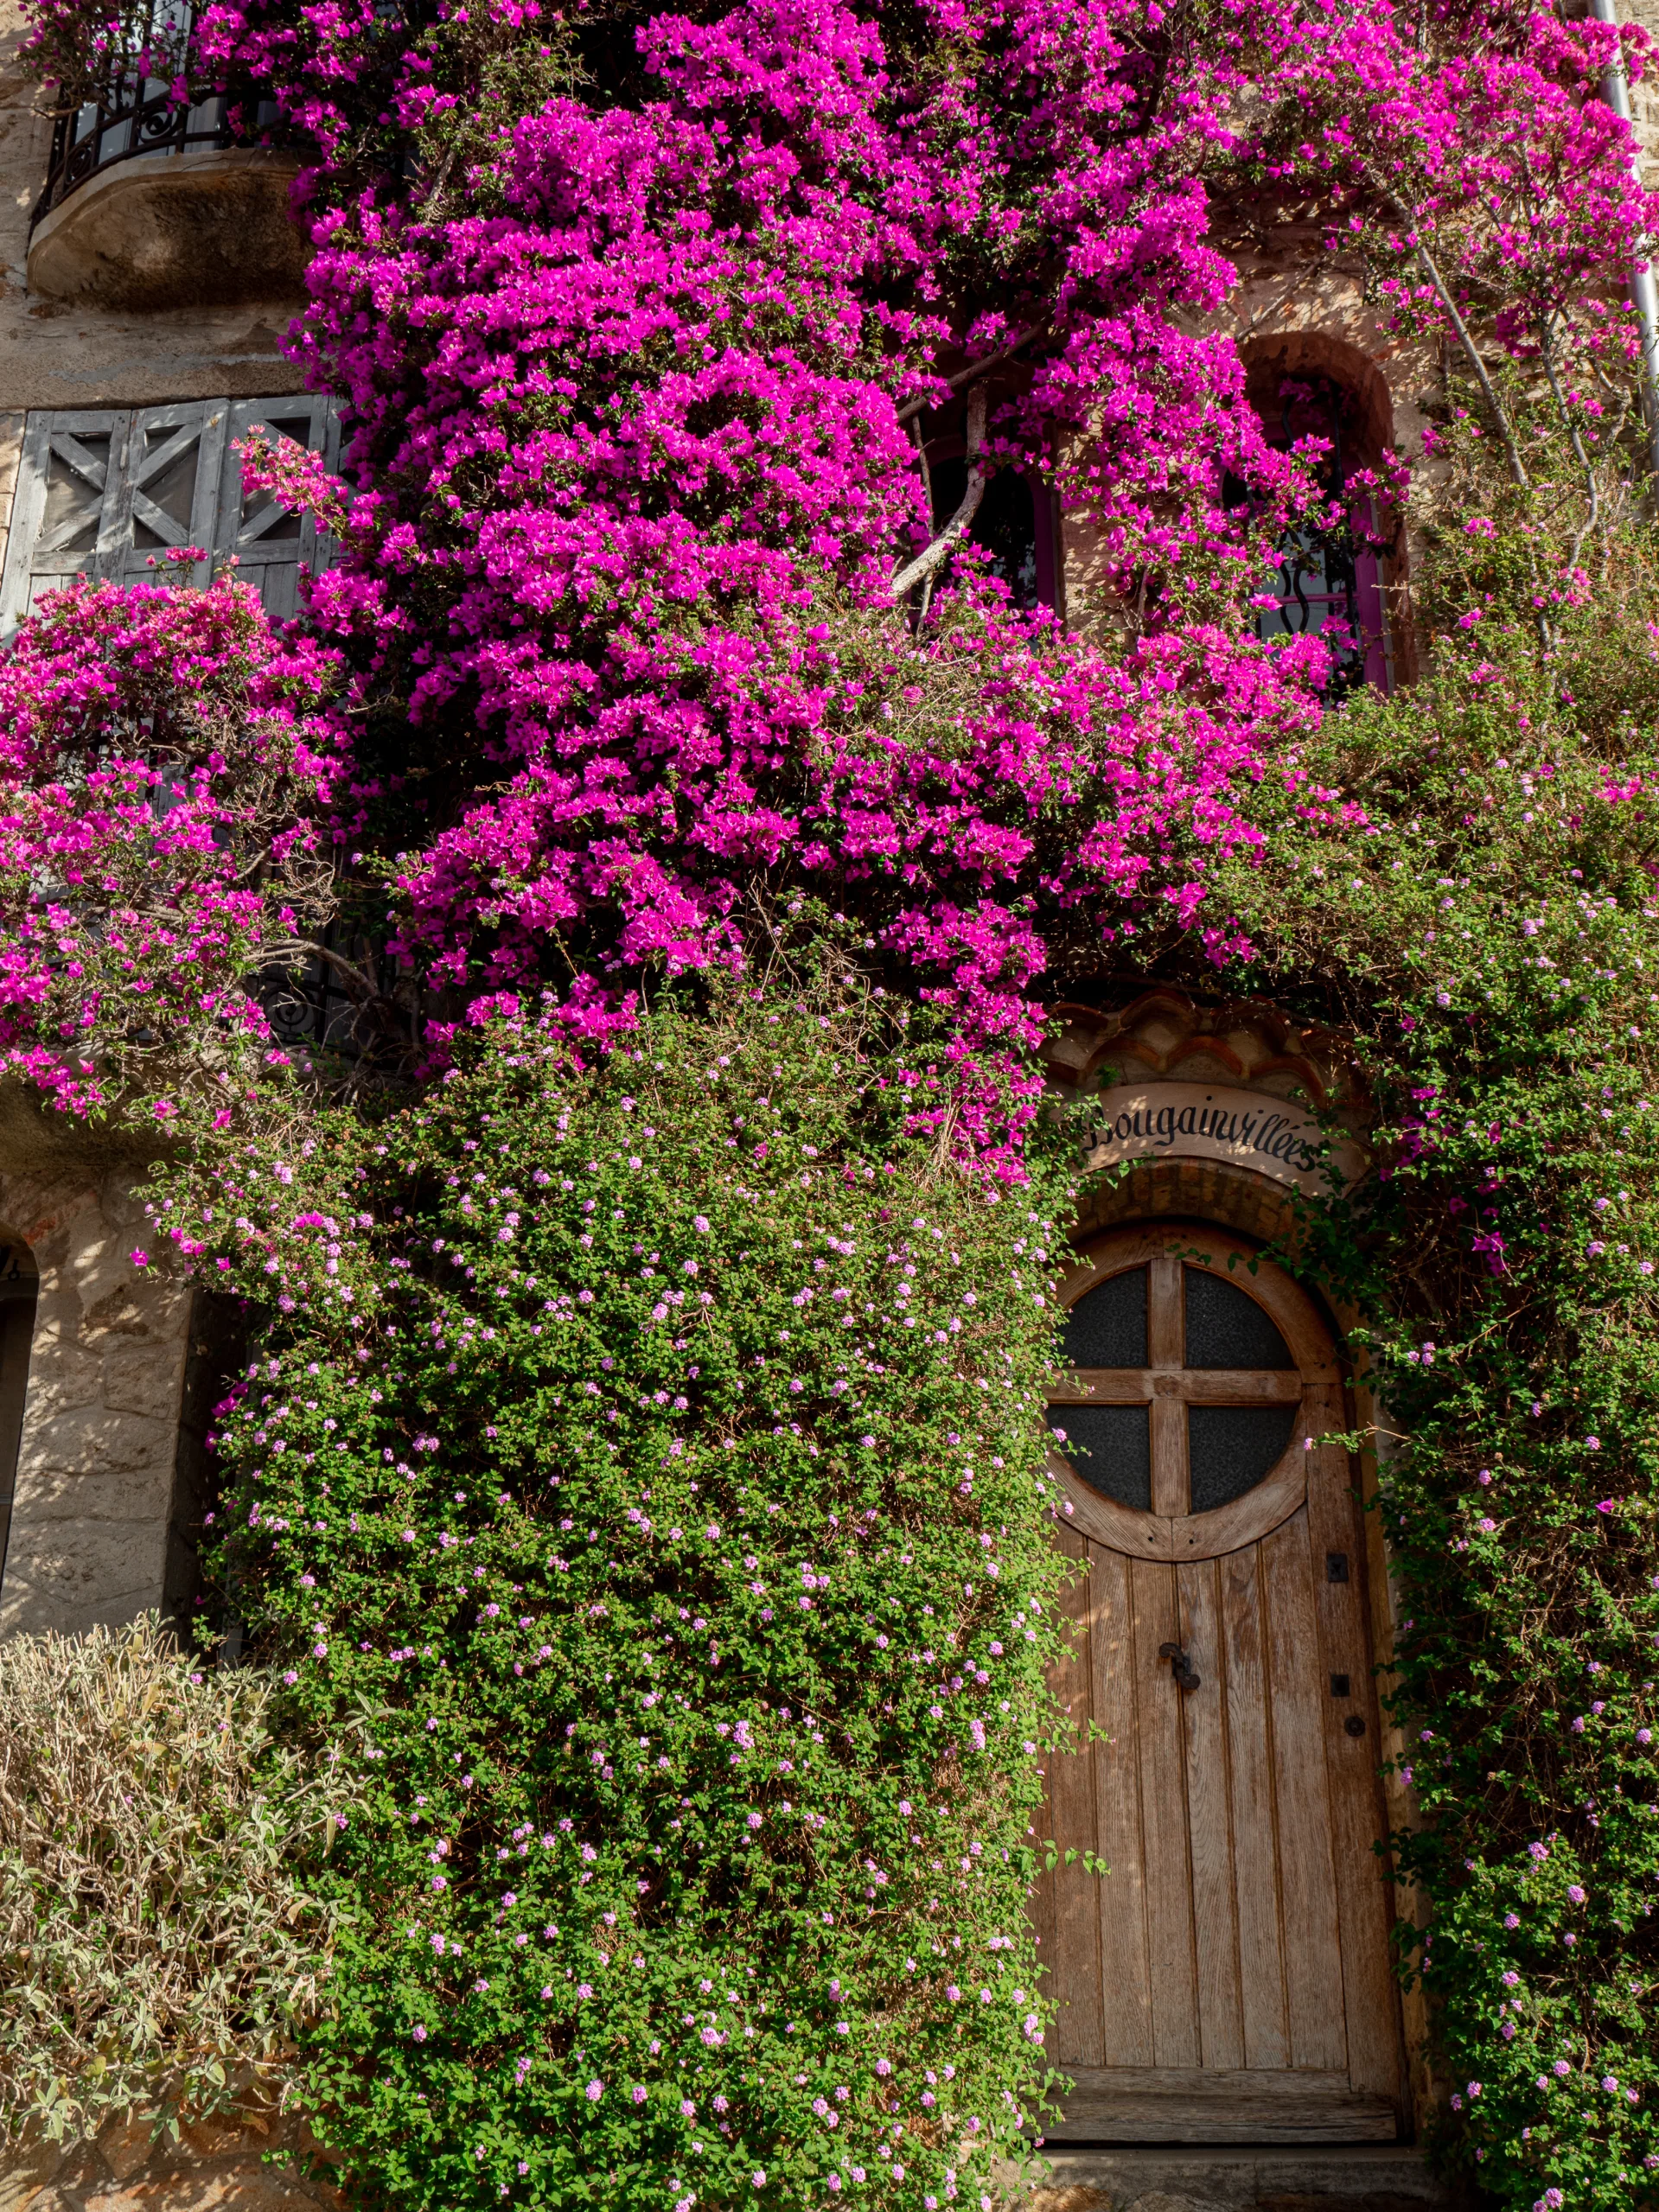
(109,1458)
(124,1356)
(53,355)
(211,2167)
(106,1463)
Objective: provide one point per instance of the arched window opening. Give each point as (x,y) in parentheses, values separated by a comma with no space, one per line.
(1329,581)
(19,1287)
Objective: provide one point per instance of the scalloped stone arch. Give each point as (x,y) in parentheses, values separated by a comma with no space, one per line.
(1158,1030)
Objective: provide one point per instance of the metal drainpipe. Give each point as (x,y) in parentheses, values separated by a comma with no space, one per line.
(1644,296)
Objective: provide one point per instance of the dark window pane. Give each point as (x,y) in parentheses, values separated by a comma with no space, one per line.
(1231,1447)
(1005,524)
(172,490)
(1107,1328)
(1110,1446)
(1227,1328)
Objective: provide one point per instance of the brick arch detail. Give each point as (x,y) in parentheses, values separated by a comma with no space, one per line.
(1161,1031)
(1199,1190)
(1269,356)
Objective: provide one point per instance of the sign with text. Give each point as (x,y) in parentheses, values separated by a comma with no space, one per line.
(1191,1121)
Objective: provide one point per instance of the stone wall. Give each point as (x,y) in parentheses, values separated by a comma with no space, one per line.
(210,2168)
(110,1461)
(54,355)
(95,1536)
(1644,98)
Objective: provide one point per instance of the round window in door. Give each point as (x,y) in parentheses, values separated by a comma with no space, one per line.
(1197,1377)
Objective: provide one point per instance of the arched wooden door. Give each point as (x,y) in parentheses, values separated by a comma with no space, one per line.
(1229,1979)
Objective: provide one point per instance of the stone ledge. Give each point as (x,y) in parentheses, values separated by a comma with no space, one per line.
(204,229)
(1363,2178)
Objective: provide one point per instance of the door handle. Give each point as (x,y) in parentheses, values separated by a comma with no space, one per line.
(1181,1667)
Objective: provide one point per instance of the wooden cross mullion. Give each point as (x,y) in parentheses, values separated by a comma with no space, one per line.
(1199,1386)
(1166,1349)
(1166,1386)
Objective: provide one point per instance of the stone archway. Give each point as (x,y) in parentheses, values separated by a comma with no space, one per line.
(1188,2066)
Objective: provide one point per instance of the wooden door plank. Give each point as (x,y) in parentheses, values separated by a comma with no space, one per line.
(1163,1819)
(1076,1986)
(1364,1895)
(1215,1910)
(1313,1980)
(1124,1960)
(1285,2085)
(1039,1908)
(1255,1844)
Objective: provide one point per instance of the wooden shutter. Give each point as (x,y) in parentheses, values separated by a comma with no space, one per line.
(66,513)
(168,497)
(272,545)
(110,492)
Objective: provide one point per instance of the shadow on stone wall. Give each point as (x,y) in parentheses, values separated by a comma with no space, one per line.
(214,2166)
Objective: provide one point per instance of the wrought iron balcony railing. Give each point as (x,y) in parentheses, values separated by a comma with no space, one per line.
(133,107)
(138,115)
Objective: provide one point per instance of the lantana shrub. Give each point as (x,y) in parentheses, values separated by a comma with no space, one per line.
(652,1456)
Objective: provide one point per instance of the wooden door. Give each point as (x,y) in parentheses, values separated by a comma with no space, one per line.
(1229,1979)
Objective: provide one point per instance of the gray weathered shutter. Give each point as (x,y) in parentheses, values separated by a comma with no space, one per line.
(111,492)
(169,493)
(66,513)
(108,493)
(272,544)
